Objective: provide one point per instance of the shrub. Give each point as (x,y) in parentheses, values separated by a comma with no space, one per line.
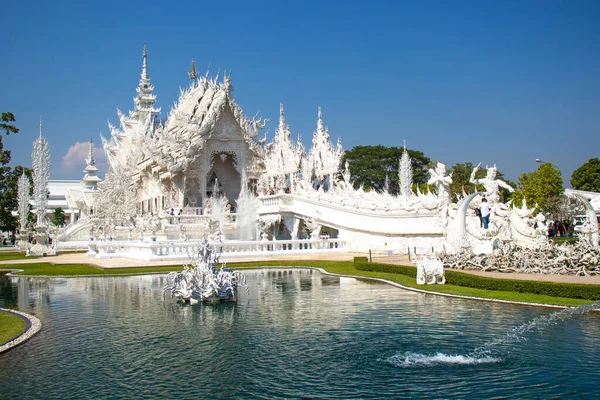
(568,290)
(389,268)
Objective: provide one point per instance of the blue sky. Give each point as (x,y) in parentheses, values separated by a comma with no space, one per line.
(501,82)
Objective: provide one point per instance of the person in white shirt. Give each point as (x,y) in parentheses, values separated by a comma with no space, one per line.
(485,212)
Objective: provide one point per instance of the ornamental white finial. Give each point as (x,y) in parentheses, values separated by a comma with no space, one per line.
(193,74)
(40,126)
(91,160)
(404,144)
(281,109)
(145,64)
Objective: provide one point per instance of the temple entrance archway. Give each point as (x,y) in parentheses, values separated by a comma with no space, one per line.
(224,171)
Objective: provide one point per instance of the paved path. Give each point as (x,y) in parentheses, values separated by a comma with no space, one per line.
(80,258)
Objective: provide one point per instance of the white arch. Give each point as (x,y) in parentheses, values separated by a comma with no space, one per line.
(460,221)
(590,215)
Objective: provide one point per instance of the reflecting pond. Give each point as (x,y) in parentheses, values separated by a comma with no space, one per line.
(295,333)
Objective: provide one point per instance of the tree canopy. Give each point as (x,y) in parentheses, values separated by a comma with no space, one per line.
(58,217)
(369,166)
(543,187)
(587,177)
(9,178)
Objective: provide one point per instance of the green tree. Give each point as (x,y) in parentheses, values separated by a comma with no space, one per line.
(369,166)
(543,187)
(8,178)
(58,217)
(461,174)
(587,177)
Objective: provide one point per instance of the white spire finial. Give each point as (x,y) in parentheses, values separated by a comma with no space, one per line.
(193,73)
(40,126)
(91,160)
(281,109)
(145,63)
(404,144)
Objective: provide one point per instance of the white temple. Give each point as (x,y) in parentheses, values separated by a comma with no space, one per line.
(206,163)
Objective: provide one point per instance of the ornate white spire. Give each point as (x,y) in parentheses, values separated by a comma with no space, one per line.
(193,74)
(23,200)
(90,180)
(40,163)
(323,156)
(405,174)
(91,160)
(144,102)
(281,160)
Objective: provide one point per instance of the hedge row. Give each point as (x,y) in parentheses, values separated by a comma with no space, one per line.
(568,290)
(394,269)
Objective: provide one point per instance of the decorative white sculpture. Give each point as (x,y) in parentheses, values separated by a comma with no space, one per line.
(430,270)
(441,181)
(491,184)
(203,282)
(23,195)
(40,163)
(405,174)
(323,158)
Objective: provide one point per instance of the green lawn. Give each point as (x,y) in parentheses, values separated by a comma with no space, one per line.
(336,267)
(47,269)
(10,326)
(13,255)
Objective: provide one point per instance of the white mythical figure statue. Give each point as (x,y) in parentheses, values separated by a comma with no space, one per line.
(491,184)
(441,181)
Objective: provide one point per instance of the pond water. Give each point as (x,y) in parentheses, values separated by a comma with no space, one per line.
(293,334)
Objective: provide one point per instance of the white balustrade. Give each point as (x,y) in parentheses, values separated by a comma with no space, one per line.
(182,251)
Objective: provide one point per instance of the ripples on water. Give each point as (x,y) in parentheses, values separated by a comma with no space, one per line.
(294,334)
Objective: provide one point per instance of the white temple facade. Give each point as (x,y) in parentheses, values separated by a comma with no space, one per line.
(206,163)
(203,145)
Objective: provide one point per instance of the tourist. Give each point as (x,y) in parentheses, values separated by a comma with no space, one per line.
(478,213)
(484,210)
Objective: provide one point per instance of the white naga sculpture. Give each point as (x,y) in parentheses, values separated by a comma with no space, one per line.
(203,282)
(441,181)
(491,184)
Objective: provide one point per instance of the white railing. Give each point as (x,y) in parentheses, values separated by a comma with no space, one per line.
(196,219)
(181,251)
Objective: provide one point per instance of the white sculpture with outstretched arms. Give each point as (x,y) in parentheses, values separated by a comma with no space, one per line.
(491,183)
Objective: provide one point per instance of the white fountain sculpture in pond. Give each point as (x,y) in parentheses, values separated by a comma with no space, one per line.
(203,282)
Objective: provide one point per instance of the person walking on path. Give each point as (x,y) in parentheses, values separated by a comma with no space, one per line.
(484,209)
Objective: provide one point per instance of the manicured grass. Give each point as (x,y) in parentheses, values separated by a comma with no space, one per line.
(47,269)
(10,326)
(336,267)
(13,255)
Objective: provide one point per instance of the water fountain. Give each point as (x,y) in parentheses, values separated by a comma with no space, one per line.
(247,205)
(491,351)
(203,282)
